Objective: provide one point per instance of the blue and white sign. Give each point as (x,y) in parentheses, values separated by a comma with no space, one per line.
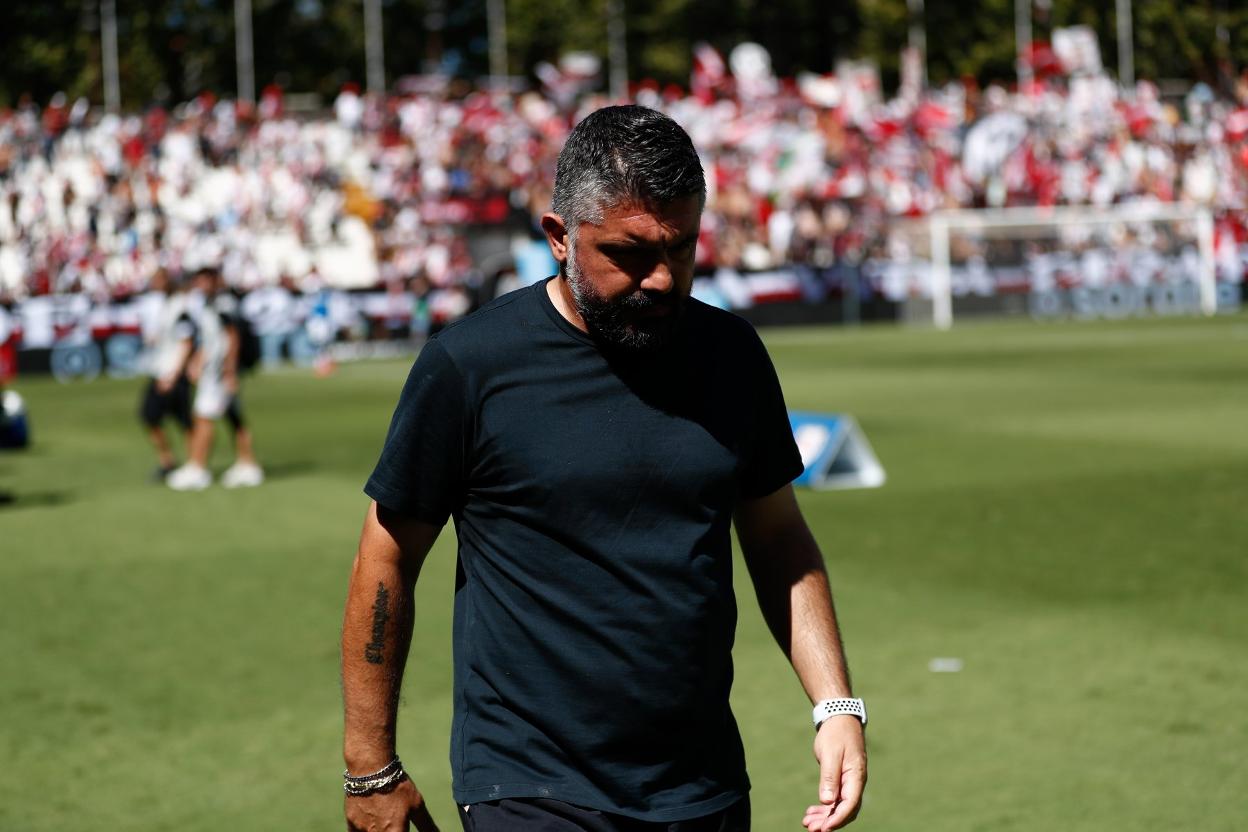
(835,452)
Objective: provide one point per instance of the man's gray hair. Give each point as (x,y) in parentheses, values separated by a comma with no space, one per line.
(624,154)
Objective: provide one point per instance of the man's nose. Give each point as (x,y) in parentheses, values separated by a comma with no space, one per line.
(659,279)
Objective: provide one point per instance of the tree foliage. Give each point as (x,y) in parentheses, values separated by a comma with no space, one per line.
(1195,40)
(173,49)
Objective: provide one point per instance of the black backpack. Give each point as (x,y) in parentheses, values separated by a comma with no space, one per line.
(248,345)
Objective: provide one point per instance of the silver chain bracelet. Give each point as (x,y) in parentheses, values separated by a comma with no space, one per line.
(380,780)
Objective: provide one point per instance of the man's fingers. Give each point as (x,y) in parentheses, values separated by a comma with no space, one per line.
(852,784)
(421,819)
(816,817)
(845,812)
(830,779)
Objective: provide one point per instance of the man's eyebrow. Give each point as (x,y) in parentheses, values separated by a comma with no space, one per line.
(635,241)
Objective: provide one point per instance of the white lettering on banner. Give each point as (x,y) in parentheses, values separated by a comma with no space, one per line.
(1124,301)
(1037,273)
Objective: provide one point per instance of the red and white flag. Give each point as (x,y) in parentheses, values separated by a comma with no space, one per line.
(709,70)
(1237,125)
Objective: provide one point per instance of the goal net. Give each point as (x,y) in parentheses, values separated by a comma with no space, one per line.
(1051,263)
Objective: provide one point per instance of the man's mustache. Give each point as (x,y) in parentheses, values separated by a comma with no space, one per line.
(640,301)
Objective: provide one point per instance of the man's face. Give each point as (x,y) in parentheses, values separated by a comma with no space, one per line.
(631,273)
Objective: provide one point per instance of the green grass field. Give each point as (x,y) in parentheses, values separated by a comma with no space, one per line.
(1065,513)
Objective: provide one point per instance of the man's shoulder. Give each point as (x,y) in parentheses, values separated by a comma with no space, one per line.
(492,329)
(710,325)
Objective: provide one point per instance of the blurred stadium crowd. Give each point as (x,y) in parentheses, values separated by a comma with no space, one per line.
(377,193)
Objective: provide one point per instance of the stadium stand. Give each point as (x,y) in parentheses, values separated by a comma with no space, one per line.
(378,193)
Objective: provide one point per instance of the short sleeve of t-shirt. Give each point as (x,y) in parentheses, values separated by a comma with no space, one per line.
(774,460)
(421,469)
(184,328)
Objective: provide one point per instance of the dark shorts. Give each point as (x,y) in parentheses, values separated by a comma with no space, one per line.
(542,815)
(234,414)
(175,404)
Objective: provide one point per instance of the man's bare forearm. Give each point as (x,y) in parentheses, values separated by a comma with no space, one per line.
(376,635)
(796,601)
(793,593)
(816,650)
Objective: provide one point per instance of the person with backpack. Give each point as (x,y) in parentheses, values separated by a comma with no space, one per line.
(215,366)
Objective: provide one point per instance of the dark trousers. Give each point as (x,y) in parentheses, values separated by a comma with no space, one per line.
(542,815)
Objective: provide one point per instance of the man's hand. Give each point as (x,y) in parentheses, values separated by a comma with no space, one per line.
(391,811)
(841,752)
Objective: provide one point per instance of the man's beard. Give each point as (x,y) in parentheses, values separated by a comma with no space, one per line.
(622,324)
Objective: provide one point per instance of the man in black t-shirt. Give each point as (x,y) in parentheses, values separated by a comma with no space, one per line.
(595,438)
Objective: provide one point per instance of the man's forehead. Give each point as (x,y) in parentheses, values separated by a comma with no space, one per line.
(645,221)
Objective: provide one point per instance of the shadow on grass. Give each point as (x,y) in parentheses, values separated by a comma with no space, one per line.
(33,499)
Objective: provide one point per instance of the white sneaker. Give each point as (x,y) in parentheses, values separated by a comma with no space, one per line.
(242,475)
(190,477)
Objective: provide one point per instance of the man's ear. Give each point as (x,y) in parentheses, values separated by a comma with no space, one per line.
(556,236)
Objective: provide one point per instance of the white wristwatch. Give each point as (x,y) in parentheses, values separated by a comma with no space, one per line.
(835,707)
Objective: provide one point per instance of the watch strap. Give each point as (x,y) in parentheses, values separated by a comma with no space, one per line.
(835,707)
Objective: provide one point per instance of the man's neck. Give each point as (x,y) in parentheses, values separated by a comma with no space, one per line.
(561,296)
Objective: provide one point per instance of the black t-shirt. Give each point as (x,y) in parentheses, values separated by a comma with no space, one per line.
(593,500)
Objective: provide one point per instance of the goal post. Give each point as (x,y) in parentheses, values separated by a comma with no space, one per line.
(1113,261)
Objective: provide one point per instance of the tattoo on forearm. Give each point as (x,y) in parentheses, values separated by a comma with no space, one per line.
(381,614)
